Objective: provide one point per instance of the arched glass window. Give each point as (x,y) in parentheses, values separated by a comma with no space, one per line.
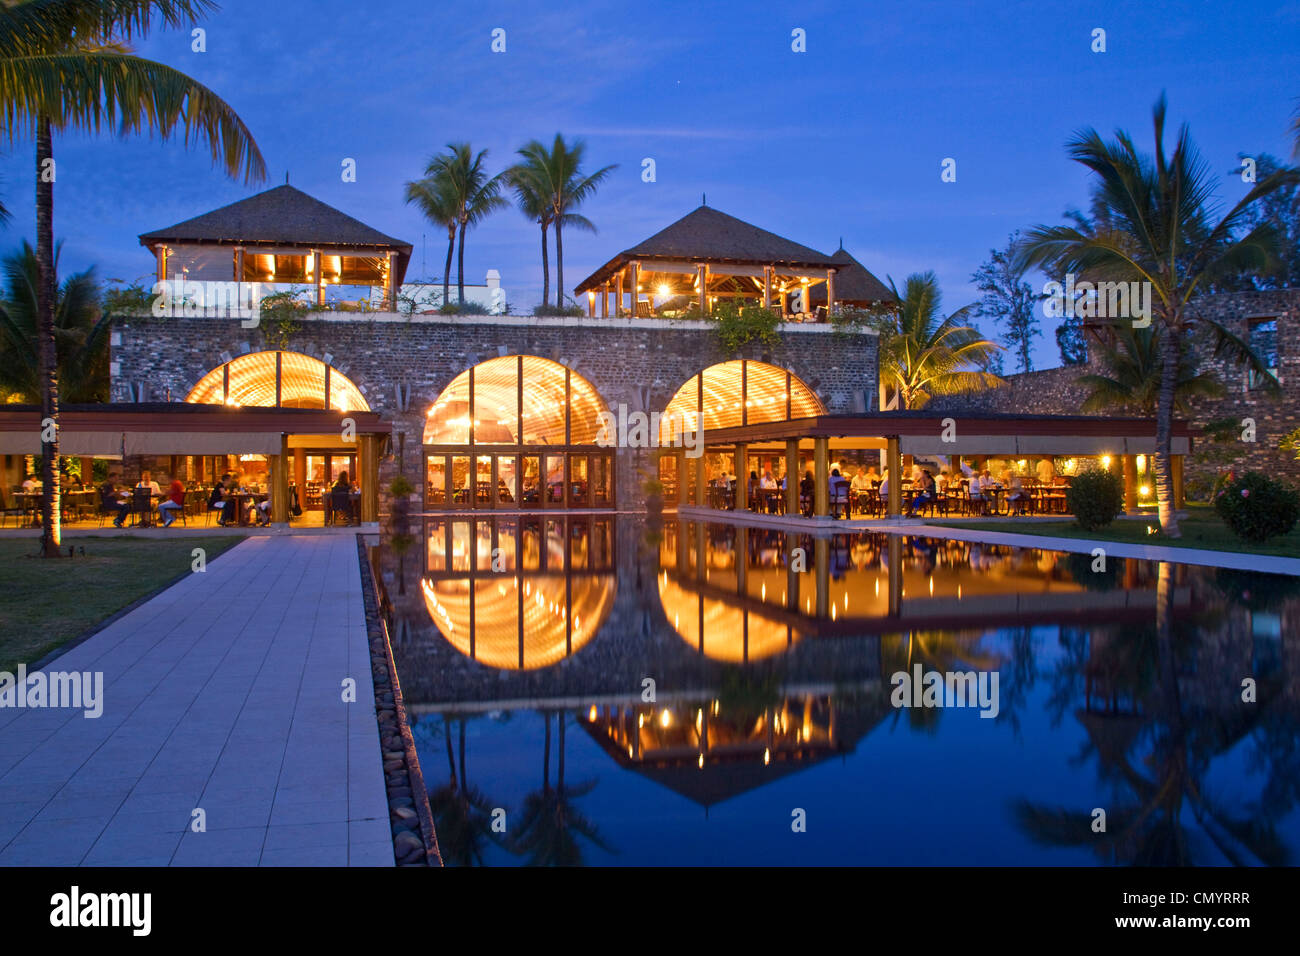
(554,405)
(278,380)
(739,392)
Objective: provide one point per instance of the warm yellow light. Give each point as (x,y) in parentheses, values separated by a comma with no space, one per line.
(767,756)
(664,291)
(1142,464)
(591,715)
(701,761)
(1145,489)
(1105,461)
(665,718)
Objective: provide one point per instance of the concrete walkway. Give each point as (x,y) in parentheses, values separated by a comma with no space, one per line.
(223,693)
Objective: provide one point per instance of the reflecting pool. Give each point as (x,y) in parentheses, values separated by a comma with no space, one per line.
(587,689)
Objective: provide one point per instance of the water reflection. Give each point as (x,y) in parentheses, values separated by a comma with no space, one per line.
(770,658)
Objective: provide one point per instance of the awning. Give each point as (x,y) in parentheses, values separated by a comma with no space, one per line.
(72,444)
(202,443)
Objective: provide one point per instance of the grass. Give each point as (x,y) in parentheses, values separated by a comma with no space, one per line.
(1201,528)
(46,603)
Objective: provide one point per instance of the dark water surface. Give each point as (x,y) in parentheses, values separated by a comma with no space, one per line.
(525,646)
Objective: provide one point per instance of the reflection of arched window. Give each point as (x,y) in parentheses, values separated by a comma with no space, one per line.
(739,392)
(278,379)
(720,629)
(519,595)
(516,400)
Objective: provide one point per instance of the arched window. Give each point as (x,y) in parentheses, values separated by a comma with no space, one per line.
(517,432)
(279,380)
(739,392)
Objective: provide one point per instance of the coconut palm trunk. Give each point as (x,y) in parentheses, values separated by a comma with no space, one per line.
(559,263)
(48,361)
(446,269)
(546,269)
(1169,348)
(460,264)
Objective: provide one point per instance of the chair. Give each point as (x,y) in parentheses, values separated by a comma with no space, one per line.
(840,500)
(340,504)
(142,507)
(8,509)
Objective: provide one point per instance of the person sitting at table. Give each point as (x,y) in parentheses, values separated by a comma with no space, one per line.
(838,487)
(175,501)
(262,511)
(861,482)
(147,483)
(110,500)
(978,495)
(31,484)
(344,486)
(218,500)
(884,488)
(925,492)
(1017,494)
(807,486)
(767,483)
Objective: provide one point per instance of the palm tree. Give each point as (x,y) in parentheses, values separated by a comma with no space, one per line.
(923,355)
(80,332)
(462,813)
(1158,229)
(559,171)
(435,198)
(531,192)
(550,824)
(63,64)
(1132,371)
(472,192)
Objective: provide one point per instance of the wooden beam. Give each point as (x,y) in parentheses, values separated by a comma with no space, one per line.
(894,468)
(821,477)
(1130,485)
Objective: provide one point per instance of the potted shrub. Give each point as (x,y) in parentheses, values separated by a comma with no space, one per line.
(399,491)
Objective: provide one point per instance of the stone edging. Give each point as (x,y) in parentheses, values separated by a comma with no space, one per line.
(411,820)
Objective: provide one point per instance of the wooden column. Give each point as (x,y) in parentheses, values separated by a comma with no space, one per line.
(742,477)
(767,287)
(280,483)
(821,477)
(315,271)
(830,292)
(702,279)
(239,263)
(162,263)
(1130,485)
(791,477)
(591,303)
(681,477)
(390,284)
(368,463)
(894,464)
(300,473)
(604,301)
(635,277)
(701,495)
(618,294)
(1176,469)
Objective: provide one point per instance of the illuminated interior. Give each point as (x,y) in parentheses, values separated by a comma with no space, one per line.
(302,380)
(722,630)
(549,393)
(736,393)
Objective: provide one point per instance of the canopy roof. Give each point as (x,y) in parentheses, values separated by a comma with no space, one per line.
(708,235)
(283,216)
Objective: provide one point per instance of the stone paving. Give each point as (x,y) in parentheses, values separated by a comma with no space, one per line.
(223,693)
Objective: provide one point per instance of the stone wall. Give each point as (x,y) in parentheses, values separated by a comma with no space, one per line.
(637,362)
(1053,391)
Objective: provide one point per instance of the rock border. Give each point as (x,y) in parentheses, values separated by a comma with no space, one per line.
(410,819)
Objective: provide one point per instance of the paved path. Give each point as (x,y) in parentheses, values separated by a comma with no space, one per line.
(222,693)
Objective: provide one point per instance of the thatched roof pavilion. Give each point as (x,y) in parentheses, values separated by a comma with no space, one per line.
(708,256)
(281,235)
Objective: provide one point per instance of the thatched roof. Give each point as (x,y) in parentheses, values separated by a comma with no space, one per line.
(283,216)
(854,285)
(707,235)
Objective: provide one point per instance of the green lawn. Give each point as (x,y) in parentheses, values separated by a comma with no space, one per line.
(45,603)
(1201,529)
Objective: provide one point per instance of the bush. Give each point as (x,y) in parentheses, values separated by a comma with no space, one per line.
(1095,498)
(400,487)
(1256,507)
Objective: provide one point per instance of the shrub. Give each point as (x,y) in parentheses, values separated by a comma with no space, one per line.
(400,487)
(1095,498)
(1256,507)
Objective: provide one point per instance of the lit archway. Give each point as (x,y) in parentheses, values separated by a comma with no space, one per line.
(738,392)
(517,431)
(278,379)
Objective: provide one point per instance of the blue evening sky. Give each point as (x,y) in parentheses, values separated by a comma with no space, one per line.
(845,140)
